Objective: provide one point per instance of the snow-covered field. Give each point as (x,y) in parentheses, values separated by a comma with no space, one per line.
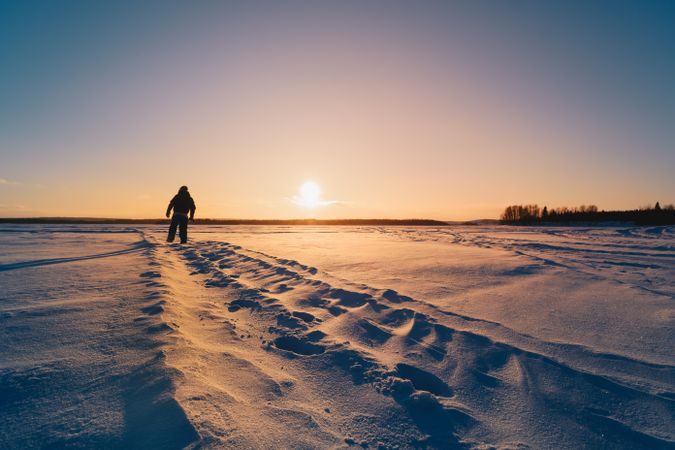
(330,337)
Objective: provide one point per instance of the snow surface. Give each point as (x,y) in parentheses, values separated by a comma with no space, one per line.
(331,337)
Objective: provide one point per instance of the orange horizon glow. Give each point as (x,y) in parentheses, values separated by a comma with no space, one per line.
(412,111)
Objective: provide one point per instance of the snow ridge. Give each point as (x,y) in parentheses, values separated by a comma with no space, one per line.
(449,383)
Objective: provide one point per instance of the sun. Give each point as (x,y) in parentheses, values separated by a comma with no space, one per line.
(309,195)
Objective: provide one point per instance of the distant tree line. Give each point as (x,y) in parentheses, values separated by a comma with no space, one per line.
(532,215)
(111,221)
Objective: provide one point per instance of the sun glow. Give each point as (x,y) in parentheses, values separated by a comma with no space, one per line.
(309,195)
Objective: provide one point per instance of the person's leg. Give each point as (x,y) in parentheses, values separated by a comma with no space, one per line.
(172,229)
(183,229)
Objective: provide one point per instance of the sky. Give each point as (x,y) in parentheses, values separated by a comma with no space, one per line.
(345,109)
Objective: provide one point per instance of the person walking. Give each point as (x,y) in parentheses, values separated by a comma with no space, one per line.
(182,204)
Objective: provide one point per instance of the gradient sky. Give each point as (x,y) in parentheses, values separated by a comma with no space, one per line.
(447,110)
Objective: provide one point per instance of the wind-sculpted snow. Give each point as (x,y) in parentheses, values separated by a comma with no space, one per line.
(609,252)
(81,360)
(455,387)
(336,337)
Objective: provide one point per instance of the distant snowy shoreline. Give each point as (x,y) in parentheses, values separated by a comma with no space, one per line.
(315,222)
(109,221)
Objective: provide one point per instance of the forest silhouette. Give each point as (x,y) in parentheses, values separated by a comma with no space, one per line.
(533,215)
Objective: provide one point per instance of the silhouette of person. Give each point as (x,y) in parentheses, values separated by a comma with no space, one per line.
(181,203)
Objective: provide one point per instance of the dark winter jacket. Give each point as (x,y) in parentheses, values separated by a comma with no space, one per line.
(182,203)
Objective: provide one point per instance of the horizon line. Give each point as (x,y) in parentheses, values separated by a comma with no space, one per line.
(119,220)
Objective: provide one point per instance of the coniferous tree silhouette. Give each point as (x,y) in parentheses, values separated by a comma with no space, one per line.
(531,214)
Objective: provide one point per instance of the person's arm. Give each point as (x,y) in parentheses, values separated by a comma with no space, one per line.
(168,210)
(192,209)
